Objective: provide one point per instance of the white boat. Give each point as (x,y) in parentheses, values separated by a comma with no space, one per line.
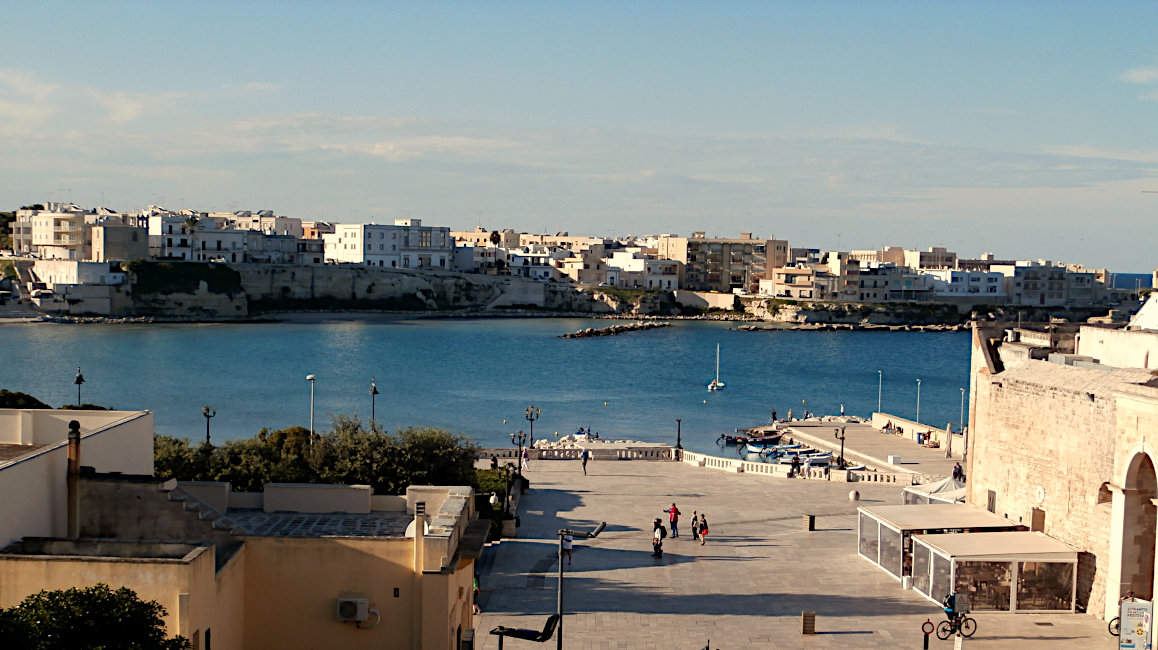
(716,384)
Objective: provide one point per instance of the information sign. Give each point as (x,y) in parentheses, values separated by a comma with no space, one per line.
(1137,619)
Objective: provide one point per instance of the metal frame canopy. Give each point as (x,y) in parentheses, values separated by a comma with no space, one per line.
(884,532)
(1015,571)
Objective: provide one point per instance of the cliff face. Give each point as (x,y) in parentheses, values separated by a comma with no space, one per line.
(187,290)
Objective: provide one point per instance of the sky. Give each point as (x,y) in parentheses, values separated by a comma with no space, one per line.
(1027,129)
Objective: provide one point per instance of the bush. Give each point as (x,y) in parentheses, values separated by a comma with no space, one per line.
(350,453)
(16,400)
(96,618)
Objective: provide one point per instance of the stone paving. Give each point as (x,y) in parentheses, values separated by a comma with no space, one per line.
(865,444)
(745,588)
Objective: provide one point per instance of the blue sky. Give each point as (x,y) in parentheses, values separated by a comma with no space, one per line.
(1026,129)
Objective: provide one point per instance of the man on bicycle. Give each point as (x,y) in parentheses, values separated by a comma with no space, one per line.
(950,605)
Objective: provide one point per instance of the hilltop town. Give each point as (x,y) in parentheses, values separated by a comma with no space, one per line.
(67,260)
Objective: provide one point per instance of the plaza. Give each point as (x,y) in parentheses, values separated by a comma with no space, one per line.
(746,587)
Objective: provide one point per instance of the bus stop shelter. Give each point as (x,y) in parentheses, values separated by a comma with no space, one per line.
(1017,571)
(885,532)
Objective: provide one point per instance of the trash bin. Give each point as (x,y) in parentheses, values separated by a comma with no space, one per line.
(920,438)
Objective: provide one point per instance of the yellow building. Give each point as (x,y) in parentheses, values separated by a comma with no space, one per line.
(296,566)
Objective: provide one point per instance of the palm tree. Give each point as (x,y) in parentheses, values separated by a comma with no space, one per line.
(191,223)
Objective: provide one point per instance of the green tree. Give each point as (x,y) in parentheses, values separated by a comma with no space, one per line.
(17,400)
(191,223)
(96,618)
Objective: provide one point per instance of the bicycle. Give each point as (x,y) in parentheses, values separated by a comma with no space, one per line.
(1115,625)
(959,623)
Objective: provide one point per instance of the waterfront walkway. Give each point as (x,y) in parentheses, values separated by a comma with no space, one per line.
(745,588)
(867,445)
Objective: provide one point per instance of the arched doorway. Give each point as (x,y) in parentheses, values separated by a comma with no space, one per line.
(1140,520)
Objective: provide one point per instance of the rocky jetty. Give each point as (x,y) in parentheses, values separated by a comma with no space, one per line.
(852,327)
(615,329)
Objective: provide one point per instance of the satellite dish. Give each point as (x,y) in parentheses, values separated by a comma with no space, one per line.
(410,529)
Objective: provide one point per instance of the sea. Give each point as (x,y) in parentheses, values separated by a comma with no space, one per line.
(478,376)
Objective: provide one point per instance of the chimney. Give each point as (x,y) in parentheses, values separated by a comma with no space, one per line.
(73,479)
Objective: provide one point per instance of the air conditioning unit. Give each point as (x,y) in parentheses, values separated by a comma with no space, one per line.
(352,609)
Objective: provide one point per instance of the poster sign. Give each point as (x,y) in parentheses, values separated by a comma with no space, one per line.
(1137,618)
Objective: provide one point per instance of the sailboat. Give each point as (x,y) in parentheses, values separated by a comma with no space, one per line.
(716,384)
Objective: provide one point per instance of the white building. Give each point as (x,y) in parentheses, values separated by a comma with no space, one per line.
(535,262)
(982,286)
(407,244)
(643,271)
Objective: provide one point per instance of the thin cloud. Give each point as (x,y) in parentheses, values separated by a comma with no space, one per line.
(1140,76)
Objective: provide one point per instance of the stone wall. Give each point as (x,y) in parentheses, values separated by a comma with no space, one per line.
(1048,436)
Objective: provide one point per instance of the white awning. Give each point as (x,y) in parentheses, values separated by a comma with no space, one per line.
(1024,546)
(936,516)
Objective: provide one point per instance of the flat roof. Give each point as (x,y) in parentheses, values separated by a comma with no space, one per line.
(297,524)
(1020,544)
(9,451)
(936,516)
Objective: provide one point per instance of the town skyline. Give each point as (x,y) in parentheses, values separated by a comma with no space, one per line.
(1018,130)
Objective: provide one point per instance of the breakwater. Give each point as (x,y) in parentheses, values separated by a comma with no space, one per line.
(638,326)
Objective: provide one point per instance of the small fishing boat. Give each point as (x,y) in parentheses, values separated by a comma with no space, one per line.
(716,384)
(729,439)
(780,449)
(765,440)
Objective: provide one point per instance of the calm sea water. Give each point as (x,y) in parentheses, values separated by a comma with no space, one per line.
(477,376)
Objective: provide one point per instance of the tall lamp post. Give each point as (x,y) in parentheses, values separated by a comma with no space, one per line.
(208,412)
(918,401)
(311,379)
(78,381)
(880,384)
(679,443)
(373,394)
(519,438)
(839,435)
(559,599)
(532,414)
(949,453)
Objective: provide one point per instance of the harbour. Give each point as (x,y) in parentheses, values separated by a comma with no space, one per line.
(484,373)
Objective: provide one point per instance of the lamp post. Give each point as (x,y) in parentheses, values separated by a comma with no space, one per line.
(559,598)
(208,412)
(78,381)
(373,394)
(679,443)
(519,438)
(918,401)
(311,379)
(880,384)
(961,423)
(839,435)
(532,414)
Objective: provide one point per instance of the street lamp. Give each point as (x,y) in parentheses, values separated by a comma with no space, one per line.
(311,379)
(519,438)
(839,435)
(373,394)
(679,444)
(532,414)
(880,384)
(918,401)
(961,423)
(559,599)
(78,381)
(208,412)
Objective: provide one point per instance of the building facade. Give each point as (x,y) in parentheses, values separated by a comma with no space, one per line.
(718,264)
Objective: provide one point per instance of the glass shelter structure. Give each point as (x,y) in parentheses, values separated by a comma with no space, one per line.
(885,532)
(1003,572)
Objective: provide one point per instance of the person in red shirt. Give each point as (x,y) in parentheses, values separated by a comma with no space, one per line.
(673,517)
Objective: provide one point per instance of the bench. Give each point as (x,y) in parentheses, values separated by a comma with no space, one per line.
(539,636)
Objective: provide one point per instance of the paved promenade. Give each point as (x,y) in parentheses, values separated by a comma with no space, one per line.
(865,444)
(745,588)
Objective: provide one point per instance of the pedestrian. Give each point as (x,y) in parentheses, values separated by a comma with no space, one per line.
(476,609)
(773,416)
(568,541)
(526,459)
(703,529)
(658,532)
(674,517)
(842,410)
(795,465)
(958,473)
(695,526)
(584,457)
(494,462)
